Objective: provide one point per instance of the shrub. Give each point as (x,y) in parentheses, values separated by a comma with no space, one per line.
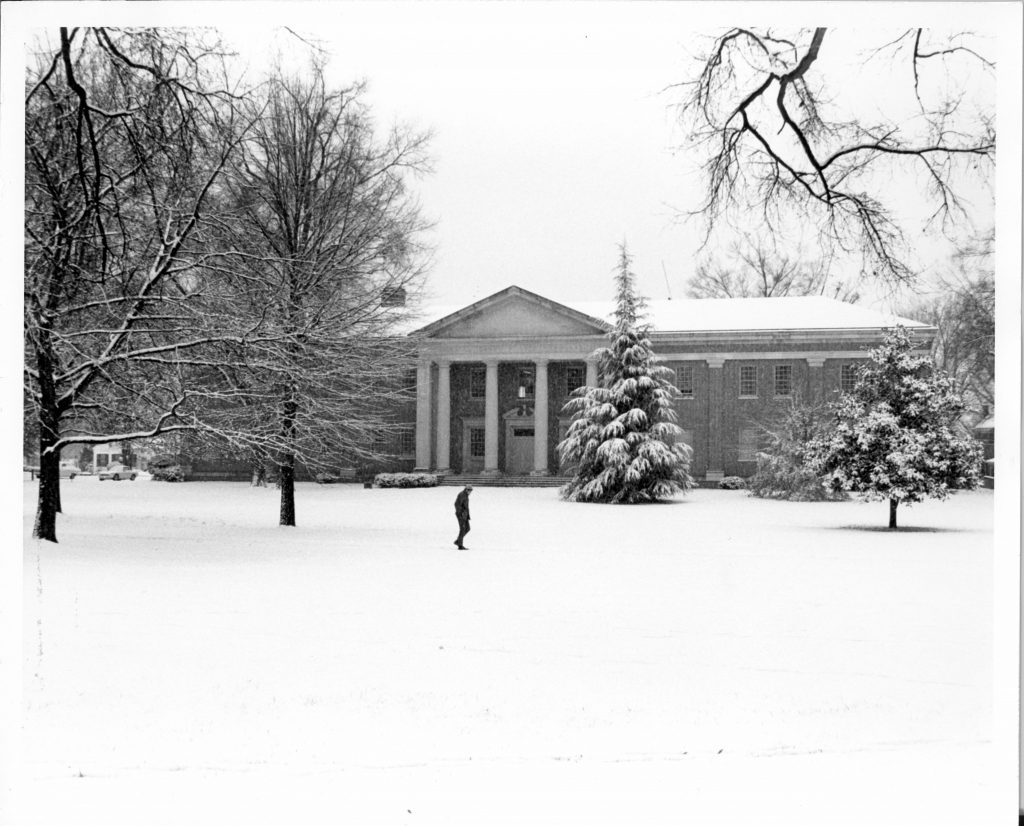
(782,470)
(176,467)
(733,483)
(167,473)
(405,480)
(780,477)
(327,478)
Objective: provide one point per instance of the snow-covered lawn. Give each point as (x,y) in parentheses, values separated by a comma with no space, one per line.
(716,659)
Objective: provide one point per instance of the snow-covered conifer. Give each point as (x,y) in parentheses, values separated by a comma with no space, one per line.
(622,439)
(895,433)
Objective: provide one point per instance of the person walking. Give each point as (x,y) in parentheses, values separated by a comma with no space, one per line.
(462,514)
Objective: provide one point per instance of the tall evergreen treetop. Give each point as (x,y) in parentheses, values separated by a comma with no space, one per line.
(623,435)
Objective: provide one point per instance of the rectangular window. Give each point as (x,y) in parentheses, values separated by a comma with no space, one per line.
(574,379)
(684,380)
(748,445)
(478,382)
(783,380)
(407,441)
(847,377)
(748,380)
(380,442)
(476,442)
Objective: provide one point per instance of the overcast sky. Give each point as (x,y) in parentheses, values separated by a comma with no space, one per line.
(556,134)
(555,137)
(552,137)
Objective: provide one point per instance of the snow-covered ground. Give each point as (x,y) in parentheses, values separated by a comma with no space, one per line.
(719,659)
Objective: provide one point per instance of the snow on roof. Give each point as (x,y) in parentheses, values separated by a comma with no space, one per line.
(735,314)
(732,314)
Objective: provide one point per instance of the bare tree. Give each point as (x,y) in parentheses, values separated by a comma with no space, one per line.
(805,142)
(127,132)
(754,270)
(962,308)
(333,260)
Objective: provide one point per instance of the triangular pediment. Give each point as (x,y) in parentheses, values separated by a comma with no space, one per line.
(512,313)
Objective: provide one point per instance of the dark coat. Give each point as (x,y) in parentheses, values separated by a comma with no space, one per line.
(462,505)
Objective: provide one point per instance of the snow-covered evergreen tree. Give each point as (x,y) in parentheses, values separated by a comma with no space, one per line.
(622,439)
(895,434)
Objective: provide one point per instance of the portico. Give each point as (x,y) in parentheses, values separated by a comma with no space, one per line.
(519,397)
(492,379)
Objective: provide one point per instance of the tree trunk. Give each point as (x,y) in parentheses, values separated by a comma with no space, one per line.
(48,505)
(287,471)
(286,466)
(259,475)
(893,504)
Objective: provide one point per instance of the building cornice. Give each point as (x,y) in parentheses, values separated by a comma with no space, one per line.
(870,335)
(820,356)
(732,346)
(520,348)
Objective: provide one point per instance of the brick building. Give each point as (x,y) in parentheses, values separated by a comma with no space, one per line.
(492,377)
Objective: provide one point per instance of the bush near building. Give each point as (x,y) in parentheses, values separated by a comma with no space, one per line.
(406,480)
(782,469)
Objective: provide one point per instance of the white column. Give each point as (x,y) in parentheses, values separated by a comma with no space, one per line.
(491,420)
(444,417)
(591,373)
(423,433)
(540,419)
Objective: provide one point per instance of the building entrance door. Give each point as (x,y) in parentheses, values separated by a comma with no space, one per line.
(520,449)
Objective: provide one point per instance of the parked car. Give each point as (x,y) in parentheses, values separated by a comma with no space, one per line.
(117,472)
(66,472)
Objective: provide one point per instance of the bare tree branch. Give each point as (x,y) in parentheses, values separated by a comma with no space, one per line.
(784,151)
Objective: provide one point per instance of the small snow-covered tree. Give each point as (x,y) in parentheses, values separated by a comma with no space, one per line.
(622,438)
(782,469)
(895,433)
